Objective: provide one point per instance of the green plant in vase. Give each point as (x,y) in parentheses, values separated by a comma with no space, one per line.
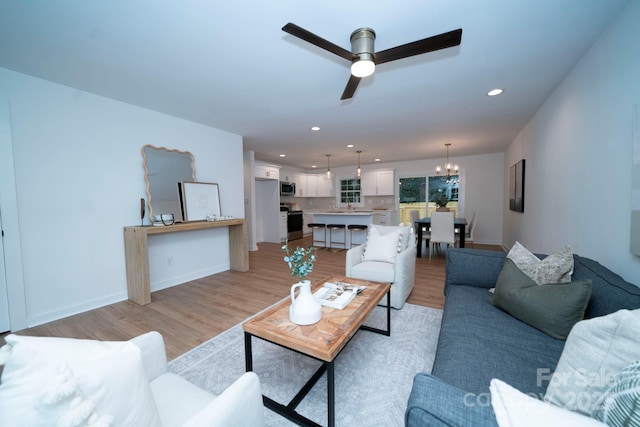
(440,199)
(300,261)
(305,308)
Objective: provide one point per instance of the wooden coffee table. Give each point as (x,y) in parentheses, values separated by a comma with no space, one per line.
(322,341)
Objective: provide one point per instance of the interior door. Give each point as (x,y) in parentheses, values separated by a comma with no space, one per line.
(4,298)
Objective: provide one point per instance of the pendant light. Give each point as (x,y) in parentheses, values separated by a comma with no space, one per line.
(448,167)
(359,168)
(328,173)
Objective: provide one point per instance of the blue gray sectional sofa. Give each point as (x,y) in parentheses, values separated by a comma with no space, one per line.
(479,341)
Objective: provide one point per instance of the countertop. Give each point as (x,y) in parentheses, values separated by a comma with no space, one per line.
(349,213)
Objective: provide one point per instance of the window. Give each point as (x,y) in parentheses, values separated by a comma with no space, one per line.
(412,190)
(350,191)
(413,196)
(445,185)
(419,193)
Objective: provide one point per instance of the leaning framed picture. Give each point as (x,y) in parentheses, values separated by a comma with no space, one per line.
(516,187)
(199,200)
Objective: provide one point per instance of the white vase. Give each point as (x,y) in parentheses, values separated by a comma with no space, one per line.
(305,309)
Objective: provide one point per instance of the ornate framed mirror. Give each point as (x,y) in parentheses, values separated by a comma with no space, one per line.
(164,169)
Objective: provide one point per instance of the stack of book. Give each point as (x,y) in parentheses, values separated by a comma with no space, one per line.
(337,294)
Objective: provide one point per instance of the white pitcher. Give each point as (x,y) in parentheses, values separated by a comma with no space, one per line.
(305,309)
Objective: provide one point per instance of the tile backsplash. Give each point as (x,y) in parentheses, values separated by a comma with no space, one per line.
(324,203)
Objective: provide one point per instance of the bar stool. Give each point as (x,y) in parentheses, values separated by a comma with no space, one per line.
(331,228)
(356,227)
(316,226)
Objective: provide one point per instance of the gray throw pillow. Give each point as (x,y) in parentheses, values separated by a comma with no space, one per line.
(552,308)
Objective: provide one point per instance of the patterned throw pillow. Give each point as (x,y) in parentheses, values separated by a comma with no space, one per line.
(555,268)
(620,405)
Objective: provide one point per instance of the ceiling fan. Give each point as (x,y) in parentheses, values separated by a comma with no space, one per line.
(362,56)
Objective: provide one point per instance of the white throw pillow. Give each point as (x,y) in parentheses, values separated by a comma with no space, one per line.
(595,352)
(555,268)
(382,247)
(516,409)
(69,382)
(407,238)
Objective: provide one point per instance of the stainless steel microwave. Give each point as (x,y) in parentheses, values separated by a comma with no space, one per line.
(287,188)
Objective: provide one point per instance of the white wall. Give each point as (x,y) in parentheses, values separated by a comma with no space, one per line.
(79,179)
(481,178)
(578,156)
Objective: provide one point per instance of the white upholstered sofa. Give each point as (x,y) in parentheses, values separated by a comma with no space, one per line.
(386,258)
(68,382)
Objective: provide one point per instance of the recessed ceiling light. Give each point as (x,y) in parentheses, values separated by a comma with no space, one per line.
(283,155)
(494,92)
(315,128)
(349,145)
(314,166)
(376,160)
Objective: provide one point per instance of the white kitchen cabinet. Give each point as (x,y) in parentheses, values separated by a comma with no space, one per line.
(307,218)
(386,218)
(283,226)
(325,187)
(266,171)
(378,183)
(301,185)
(312,185)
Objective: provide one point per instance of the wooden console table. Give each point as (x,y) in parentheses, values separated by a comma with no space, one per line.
(137,252)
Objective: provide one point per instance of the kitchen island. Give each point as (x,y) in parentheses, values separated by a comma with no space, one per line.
(347,218)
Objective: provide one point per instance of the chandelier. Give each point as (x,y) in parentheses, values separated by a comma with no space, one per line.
(448,167)
(328,173)
(359,168)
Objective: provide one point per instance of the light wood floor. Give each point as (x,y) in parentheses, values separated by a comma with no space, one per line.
(189,314)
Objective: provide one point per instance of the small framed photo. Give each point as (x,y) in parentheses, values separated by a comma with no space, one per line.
(199,200)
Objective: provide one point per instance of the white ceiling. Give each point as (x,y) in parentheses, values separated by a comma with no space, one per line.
(228,64)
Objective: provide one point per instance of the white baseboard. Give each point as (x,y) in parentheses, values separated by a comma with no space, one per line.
(75,309)
(120,296)
(178,280)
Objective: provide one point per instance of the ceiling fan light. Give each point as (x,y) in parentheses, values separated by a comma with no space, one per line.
(362,67)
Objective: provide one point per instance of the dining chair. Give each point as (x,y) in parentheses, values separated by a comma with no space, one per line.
(469,231)
(468,235)
(441,231)
(426,232)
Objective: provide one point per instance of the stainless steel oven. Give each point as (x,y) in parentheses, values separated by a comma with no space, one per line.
(294,222)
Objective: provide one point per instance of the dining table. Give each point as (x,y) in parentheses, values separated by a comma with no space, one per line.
(458,223)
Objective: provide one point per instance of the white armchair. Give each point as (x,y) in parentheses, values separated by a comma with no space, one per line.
(65,381)
(180,403)
(400,273)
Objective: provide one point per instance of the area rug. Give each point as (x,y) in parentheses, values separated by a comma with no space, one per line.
(373,374)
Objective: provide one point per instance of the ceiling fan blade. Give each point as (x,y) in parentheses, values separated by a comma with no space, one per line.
(430,44)
(350,89)
(308,36)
